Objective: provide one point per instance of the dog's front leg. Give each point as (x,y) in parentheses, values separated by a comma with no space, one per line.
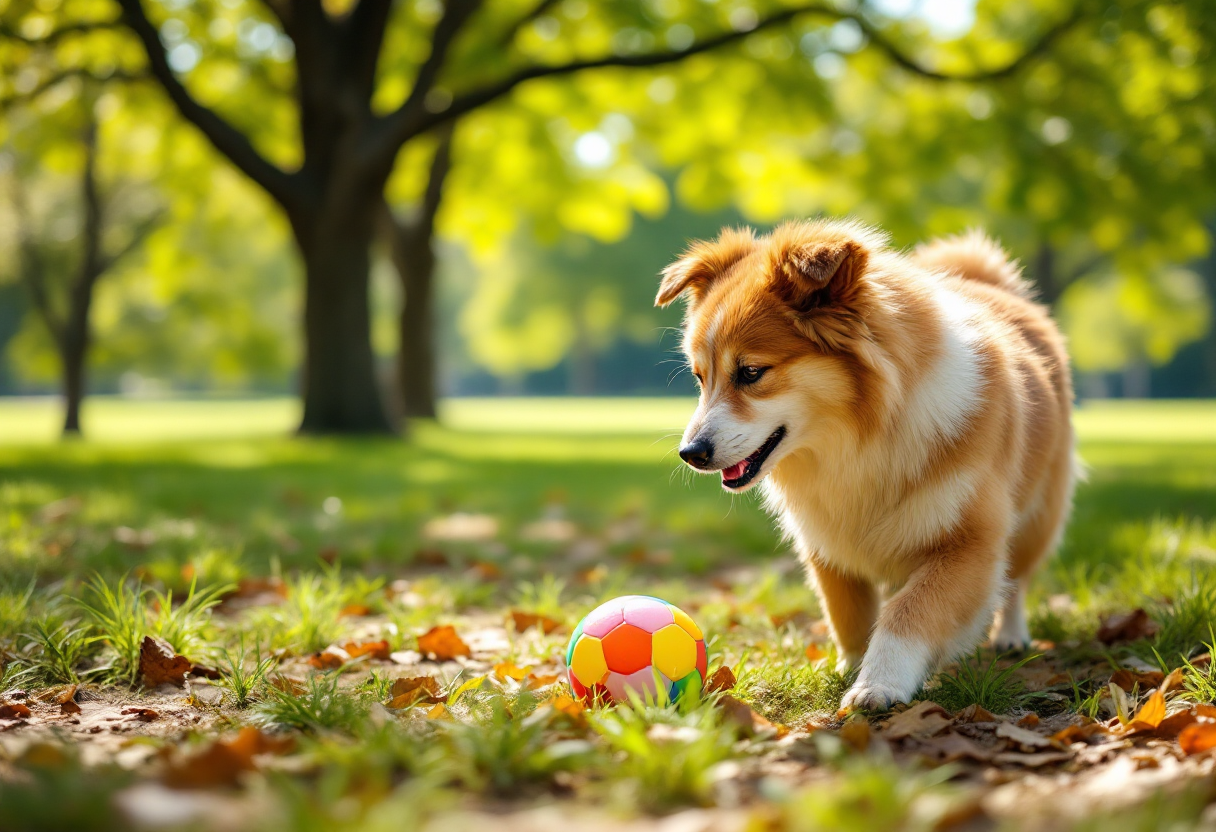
(850,605)
(941,611)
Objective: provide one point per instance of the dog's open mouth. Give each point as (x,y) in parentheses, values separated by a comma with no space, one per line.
(744,471)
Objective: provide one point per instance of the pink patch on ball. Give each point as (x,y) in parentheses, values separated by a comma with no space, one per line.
(644,684)
(604,618)
(648,614)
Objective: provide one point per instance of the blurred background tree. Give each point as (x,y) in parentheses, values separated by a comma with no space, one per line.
(527,215)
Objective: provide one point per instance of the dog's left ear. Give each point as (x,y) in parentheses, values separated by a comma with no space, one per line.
(814,275)
(703,263)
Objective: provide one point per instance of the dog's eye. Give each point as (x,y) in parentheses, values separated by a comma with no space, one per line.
(750,375)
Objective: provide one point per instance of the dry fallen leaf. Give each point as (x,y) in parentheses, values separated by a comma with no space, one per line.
(1041,758)
(223,762)
(443,643)
(951,747)
(14,710)
(570,708)
(485,570)
(924,719)
(1126,626)
(814,652)
(1149,716)
(722,679)
(1197,738)
(439,711)
(536,681)
(745,717)
(523,620)
(1021,736)
(975,713)
(159,664)
(378,650)
(509,670)
(141,714)
(1128,679)
(411,691)
(355,610)
(331,658)
(856,734)
(1077,733)
(288,685)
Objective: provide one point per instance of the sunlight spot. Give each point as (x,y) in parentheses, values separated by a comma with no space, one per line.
(594,150)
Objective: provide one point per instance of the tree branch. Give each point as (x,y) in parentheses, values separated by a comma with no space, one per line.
(120,76)
(408,124)
(227,139)
(455,14)
(539,9)
(140,233)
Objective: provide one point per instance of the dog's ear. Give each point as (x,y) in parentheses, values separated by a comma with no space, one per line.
(817,274)
(703,263)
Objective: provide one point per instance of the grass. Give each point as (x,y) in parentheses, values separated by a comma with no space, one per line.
(993,686)
(167,505)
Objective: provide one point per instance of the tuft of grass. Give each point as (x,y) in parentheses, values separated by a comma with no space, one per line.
(118,616)
(1185,621)
(992,687)
(1087,703)
(666,758)
(508,746)
(320,707)
(1199,683)
(791,692)
(14,609)
(57,651)
(186,626)
(243,674)
(311,612)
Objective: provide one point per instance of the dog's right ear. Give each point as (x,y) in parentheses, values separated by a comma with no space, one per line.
(703,263)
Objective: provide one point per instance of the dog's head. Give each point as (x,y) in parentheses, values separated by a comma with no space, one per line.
(775,335)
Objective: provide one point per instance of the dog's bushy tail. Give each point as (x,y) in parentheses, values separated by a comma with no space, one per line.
(975,256)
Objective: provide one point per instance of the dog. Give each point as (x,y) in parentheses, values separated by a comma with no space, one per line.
(908,418)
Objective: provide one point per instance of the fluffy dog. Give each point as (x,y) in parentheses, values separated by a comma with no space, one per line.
(908,417)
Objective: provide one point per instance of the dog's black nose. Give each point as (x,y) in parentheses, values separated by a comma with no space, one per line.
(698,453)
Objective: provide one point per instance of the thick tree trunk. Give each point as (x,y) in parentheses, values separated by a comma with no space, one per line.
(413,254)
(340,391)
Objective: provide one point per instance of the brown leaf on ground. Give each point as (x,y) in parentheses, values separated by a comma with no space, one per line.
(411,691)
(523,620)
(1149,716)
(431,556)
(1174,724)
(1128,679)
(570,708)
(535,681)
(722,679)
(484,570)
(1173,681)
(64,697)
(1030,720)
(856,734)
(158,664)
(814,652)
(1077,733)
(288,685)
(509,670)
(745,717)
(1197,738)
(1041,758)
(1126,626)
(1021,736)
(924,719)
(591,576)
(224,761)
(443,643)
(253,587)
(331,658)
(378,650)
(14,710)
(975,713)
(355,610)
(439,711)
(951,747)
(142,714)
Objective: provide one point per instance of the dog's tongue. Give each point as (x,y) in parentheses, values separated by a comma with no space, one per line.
(735,471)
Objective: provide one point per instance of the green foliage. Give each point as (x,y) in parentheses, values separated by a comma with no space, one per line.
(185,627)
(1185,620)
(990,686)
(245,673)
(118,616)
(57,651)
(667,755)
(1200,682)
(789,690)
(322,706)
(64,796)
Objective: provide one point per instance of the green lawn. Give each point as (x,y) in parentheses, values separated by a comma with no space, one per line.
(544,505)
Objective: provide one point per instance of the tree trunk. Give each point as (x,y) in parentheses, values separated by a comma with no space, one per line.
(413,255)
(339,377)
(1045,274)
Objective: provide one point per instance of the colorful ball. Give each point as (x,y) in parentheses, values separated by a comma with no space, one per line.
(638,644)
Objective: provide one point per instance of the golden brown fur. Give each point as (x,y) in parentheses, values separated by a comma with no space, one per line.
(915,413)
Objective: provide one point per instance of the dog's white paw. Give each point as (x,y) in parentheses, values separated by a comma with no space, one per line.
(865,696)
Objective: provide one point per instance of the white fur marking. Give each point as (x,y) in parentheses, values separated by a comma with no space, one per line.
(942,402)
(892,671)
(1011,632)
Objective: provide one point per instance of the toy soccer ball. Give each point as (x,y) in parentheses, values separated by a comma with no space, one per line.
(637,644)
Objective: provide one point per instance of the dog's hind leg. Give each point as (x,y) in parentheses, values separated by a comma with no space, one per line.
(1010,630)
